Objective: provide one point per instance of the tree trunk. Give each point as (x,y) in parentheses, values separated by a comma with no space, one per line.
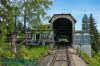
(13,43)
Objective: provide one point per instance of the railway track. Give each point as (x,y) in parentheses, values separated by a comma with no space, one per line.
(61,57)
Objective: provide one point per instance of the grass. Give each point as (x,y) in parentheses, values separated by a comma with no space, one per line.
(91,61)
(93,64)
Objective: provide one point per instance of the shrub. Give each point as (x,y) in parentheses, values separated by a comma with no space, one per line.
(91,61)
(32,53)
(94,64)
(6,54)
(97,56)
(24,53)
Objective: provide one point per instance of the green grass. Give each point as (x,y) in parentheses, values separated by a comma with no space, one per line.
(91,61)
(93,64)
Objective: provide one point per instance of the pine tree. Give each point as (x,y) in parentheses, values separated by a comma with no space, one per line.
(93,31)
(85,22)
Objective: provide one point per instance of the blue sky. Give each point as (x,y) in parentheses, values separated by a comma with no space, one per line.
(77,8)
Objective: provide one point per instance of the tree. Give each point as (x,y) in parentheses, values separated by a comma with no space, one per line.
(3,20)
(85,23)
(7,21)
(34,12)
(8,14)
(20,27)
(93,31)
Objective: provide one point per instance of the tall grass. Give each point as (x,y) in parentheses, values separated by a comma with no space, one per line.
(91,61)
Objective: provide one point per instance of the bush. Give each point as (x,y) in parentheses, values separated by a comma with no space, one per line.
(5,51)
(32,53)
(24,53)
(6,54)
(94,64)
(97,56)
(91,61)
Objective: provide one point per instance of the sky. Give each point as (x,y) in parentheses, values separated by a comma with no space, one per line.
(77,8)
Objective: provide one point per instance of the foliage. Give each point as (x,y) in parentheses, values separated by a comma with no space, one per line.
(42,27)
(93,31)
(32,53)
(97,56)
(31,11)
(91,60)
(3,31)
(6,54)
(24,53)
(93,64)
(89,24)
(20,35)
(7,21)
(34,11)
(87,58)
(85,23)
(20,27)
